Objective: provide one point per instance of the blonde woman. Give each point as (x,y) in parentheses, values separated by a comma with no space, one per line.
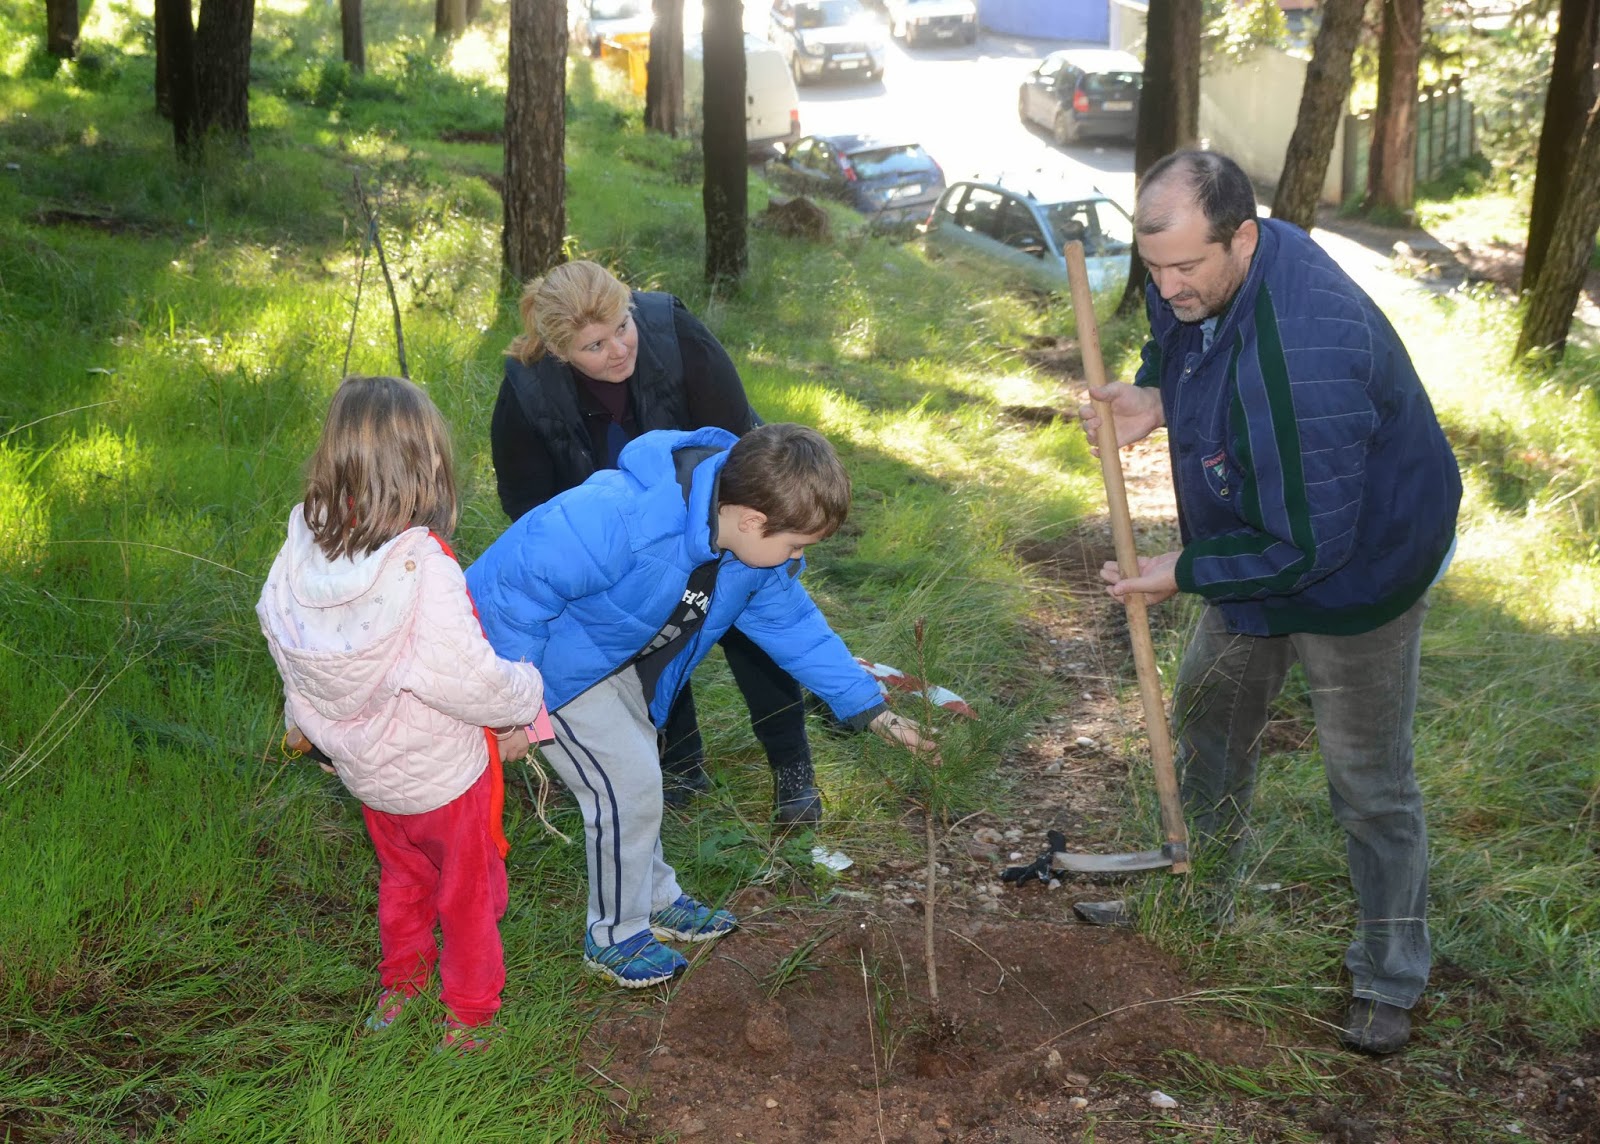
(596,365)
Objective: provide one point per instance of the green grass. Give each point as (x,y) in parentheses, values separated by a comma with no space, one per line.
(188,935)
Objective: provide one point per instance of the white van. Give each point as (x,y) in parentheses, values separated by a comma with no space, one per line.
(772,105)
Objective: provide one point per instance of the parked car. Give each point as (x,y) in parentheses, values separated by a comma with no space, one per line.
(892,181)
(771,104)
(827,38)
(933,21)
(1020,231)
(1083,91)
(591,21)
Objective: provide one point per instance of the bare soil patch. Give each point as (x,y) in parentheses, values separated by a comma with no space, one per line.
(1033,1015)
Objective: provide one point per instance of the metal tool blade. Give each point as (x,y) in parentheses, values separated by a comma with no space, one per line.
(1119,863)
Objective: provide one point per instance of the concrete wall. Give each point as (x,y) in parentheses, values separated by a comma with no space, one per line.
(1249,112)
(1126,25)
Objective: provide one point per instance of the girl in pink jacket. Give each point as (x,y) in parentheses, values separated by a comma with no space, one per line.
(386,670)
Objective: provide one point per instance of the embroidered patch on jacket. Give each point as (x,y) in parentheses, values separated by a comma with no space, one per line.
(1216,470)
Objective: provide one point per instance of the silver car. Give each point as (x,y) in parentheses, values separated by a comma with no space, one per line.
(1020,229)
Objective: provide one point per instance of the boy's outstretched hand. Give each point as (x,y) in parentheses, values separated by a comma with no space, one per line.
(892,728)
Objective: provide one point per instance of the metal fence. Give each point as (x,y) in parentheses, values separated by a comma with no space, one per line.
(1446,136)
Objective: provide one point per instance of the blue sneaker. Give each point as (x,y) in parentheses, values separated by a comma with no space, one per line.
(635,963)
(687,920)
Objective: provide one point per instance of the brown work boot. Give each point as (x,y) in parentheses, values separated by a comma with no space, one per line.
(1375,1027)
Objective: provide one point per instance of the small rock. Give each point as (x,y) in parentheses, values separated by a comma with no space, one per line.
(1086,743)
(771,1103)
(1053,768)
(691,1127)
(988,836)
(1087,698)
(982,852)
(1053,1061)
(1013,836)
(1041,1109)
(989,906)
(1016,856)
(941,1122)
(1075,1080)
(1159,1099)
(766,1030)
(1078,1103)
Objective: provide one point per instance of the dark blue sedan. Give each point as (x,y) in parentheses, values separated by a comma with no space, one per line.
(890,181)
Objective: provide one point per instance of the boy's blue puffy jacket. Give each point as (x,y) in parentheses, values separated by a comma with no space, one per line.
(578,585)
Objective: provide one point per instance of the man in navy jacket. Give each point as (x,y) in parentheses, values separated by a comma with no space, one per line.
(1317,502)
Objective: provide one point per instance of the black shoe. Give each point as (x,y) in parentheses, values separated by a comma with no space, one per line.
(803,808)
(1113,913)
(678,791)
(1375,1027)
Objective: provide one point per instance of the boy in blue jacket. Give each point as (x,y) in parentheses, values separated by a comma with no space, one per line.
(616,589)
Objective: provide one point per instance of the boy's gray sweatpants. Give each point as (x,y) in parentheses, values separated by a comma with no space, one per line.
(606,753)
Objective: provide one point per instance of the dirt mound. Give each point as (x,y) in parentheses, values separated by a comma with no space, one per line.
(812,1025)
(798,217)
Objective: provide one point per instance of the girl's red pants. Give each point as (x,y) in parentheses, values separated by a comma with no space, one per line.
(443,868)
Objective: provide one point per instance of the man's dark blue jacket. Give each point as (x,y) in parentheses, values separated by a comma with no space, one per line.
(1316,491)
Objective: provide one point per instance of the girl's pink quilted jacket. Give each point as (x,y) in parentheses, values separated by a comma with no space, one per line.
(385,667)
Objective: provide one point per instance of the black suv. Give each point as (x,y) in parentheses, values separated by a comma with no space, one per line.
(1083,91)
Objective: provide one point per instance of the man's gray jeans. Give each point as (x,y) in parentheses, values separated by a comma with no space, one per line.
(1363,696)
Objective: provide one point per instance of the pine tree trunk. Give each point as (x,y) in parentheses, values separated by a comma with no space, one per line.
(1392,163)
(473,8)
(1572,90)
(1322,104)
(163,60)
(355,44)
(449,19)
(1554,295)
(535,194)
(1169,105)
(726,189)
(61,28)
(175,45)
(663,93)
(222,69)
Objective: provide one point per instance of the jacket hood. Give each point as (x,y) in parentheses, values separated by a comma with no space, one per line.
(341,624)
(694,460)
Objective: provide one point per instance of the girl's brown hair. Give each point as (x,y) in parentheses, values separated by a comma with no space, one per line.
(383,465)
(568,298)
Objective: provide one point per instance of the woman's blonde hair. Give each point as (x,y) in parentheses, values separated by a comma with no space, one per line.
(568,298)
(383,465)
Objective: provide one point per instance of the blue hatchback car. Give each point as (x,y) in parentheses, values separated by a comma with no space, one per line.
(893,182)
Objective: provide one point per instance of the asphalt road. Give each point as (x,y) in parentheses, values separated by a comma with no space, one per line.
(960,103)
